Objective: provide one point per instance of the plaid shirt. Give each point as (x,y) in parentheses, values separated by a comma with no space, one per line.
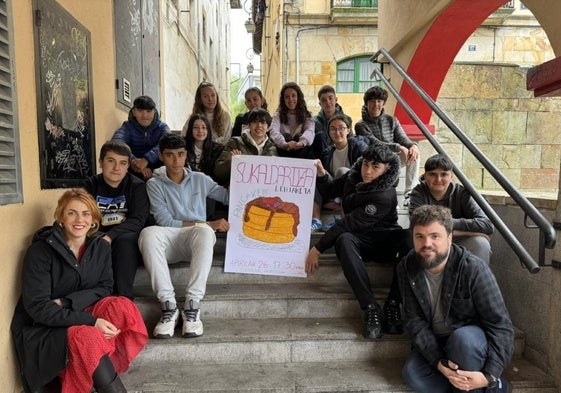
(470,296)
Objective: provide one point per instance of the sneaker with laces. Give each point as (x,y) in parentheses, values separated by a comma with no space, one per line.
(327,227)
(192,324)
(406,201)
(504,386)
(316,225)
(373,322)
(165,328)
(392,317)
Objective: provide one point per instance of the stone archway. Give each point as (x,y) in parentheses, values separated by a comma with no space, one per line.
(437,50)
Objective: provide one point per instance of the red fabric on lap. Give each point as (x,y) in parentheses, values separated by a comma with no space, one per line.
(87,344)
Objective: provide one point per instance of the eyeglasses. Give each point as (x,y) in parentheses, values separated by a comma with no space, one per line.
(338,129)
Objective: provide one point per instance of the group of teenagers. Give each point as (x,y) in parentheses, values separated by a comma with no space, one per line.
(76,327)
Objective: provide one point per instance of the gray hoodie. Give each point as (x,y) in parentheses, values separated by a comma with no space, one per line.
(173,203)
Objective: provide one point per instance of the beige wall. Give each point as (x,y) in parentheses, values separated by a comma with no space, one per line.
(272,54)
(182,44)
(21,220)
(180,75)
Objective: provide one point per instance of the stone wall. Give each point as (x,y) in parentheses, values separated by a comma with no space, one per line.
(519,133)
(533,300)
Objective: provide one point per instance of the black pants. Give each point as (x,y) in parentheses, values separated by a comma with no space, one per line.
(380,246)
(126,258)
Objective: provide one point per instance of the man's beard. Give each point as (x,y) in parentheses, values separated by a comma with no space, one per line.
(429,263)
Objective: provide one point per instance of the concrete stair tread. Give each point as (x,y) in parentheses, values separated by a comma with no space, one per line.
(240,292)
(264,301)
(274,329)
(383,375)
(296,339)
(330,272)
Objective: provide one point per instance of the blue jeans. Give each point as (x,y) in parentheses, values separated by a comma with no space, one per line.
(466,346)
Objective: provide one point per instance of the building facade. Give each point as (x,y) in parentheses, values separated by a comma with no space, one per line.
(314,43)
(190,44)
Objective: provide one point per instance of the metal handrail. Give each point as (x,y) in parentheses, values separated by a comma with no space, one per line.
(545,226)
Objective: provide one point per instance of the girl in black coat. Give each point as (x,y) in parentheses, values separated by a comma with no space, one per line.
(202,151)
(65,324)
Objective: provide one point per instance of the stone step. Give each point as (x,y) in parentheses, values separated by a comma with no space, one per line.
(330,272)
(381,375)
(262,301)
(302,340)
(279,340)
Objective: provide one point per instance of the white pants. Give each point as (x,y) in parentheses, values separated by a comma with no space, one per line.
(411,172)
(161,246)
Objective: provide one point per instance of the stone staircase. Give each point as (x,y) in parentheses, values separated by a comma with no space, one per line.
(270,334)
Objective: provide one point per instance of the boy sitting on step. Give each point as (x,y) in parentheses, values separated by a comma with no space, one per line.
(178,203)
(472,227)
(368,231)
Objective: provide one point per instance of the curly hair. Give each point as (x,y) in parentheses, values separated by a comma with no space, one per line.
(427,214)
(302,113)
(219,114)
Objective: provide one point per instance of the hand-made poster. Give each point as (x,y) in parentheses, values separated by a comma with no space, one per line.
(271,201)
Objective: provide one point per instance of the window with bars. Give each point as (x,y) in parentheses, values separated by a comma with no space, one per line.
(353,75)
(10,163)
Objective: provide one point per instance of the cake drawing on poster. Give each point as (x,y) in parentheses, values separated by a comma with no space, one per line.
(271,220)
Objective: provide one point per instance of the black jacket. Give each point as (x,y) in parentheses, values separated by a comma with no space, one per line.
(51,271)
(355,148)
(240,120)
(470,296)
(467,214)
(208,159)
(368,207)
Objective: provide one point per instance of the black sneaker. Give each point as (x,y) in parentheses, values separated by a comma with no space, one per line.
(373,322)
(392,317)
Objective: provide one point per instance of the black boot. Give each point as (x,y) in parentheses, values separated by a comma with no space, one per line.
(392,317)
(114,387)
(373,322)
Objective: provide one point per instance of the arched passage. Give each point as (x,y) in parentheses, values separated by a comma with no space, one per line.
(436,52)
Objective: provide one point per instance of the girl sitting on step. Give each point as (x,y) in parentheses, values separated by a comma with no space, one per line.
(69,333)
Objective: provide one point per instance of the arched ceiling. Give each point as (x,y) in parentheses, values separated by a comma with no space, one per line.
(445,37)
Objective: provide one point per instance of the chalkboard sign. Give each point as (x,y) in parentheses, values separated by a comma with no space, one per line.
(137,45)
(64,97)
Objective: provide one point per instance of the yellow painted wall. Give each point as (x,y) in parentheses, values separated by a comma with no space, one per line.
(19,221)
(272,54)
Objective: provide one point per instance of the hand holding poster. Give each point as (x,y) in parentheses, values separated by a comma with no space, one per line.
(271,201)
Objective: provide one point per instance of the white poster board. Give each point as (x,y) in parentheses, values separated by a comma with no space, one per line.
(270,213)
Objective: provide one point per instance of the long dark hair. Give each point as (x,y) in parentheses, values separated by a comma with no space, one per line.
(255,89)
(209,146)
(302,113)
(190,140)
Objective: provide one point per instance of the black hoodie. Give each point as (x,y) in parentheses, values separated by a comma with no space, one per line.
(368,207)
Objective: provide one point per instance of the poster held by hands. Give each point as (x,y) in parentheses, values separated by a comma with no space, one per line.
(271,202)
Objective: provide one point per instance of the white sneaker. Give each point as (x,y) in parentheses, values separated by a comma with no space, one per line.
(406,201)
(165,328)
(192,324)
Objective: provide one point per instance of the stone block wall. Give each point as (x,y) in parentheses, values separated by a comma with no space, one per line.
(519,133)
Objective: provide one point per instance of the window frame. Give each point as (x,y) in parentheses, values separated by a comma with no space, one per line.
(10,148)
(357,61)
